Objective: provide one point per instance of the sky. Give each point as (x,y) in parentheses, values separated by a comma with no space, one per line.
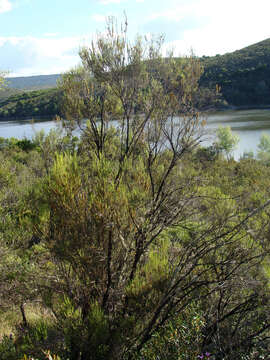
(44,36)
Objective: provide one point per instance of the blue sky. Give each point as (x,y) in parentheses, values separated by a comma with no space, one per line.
(44,36)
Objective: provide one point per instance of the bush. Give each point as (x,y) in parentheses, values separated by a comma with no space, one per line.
(8,349)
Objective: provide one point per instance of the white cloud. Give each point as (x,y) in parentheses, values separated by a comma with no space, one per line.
(219,27)
(99,18)
(102,18)
(50,34)
(223,26)
(107,2)
(174,12)
(5,5)
(34,56)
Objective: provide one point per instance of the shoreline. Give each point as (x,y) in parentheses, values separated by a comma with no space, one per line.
(210,109)
(30,117)
(236,108)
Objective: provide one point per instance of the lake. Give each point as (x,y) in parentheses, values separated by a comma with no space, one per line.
(24,128)
(248,124)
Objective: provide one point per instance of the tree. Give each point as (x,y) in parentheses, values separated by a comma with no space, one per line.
(264,149)
(2,80)
(226,141)
(151,98)
(133,236)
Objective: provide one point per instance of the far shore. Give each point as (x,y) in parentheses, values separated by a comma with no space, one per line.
(235,108)
(30,117)
(210,109)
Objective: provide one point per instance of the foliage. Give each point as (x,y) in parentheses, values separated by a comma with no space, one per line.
(226,141)
(37,82)
(31,103)
(77,188)
(138,244)
(2,80)
(242,75)
(239,78)
(264,149)
(179,339)
(7,349)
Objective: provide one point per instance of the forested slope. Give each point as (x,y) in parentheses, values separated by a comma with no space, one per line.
(31,103)
(243,79)
(243,76)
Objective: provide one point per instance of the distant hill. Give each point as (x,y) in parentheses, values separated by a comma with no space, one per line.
(33,82)
(36,103)
(243,75)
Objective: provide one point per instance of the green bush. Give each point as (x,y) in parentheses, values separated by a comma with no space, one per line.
(8,349)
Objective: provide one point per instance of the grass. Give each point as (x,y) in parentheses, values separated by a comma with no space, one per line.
(33,341)
(12,318)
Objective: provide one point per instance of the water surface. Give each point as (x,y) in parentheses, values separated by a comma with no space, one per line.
(25,128)
(248,124)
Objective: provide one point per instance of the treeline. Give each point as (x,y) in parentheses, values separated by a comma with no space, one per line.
(30,104)
(243,76)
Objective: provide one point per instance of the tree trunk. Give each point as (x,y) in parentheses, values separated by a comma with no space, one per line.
(25,323)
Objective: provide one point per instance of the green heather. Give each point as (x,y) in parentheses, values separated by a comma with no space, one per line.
(133,242)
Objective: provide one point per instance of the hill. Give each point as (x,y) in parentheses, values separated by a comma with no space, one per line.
(30,104)
(33,82)
(30,96)
(243,75)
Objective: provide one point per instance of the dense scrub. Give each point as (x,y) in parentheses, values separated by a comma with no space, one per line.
(133,242)
(220,247)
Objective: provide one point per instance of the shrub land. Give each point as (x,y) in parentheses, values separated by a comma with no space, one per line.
(132,242)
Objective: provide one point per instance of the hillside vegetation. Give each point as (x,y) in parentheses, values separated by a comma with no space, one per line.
(33,82)
(243,76)
(31,103)
(132,242)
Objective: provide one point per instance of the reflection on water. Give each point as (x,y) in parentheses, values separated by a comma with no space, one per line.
(24,128)
(248,124)
(247,119)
